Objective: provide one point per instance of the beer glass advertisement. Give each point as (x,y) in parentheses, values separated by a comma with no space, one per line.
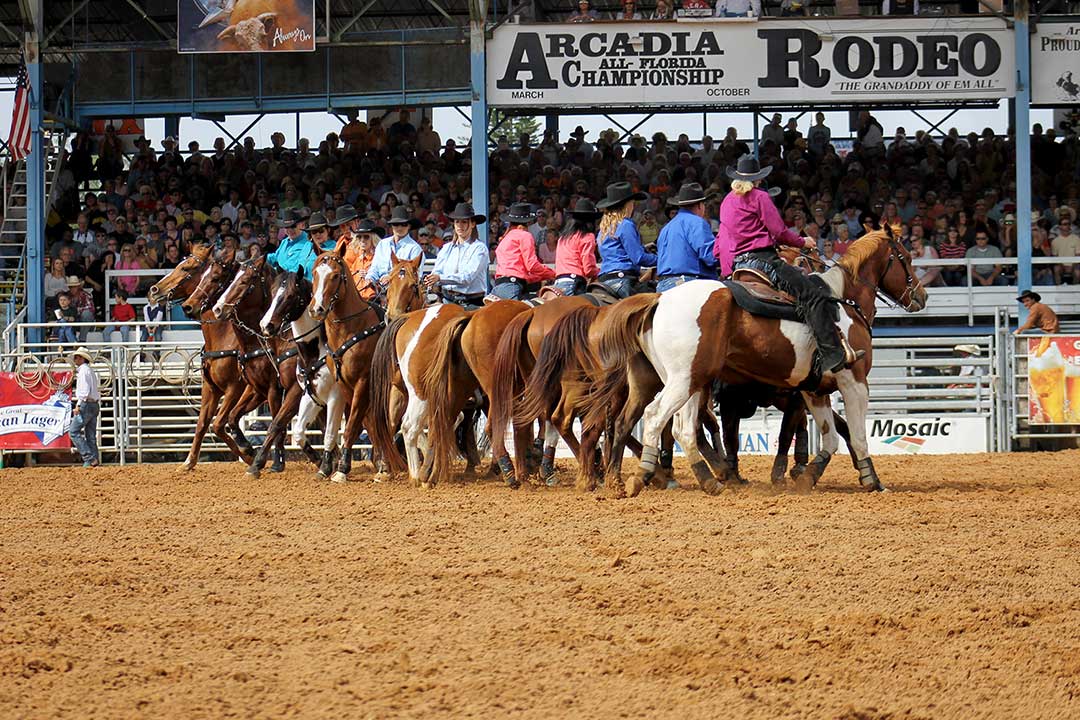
(217,26)
(1054,380)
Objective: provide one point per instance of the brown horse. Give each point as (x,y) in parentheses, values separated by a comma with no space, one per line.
(353,326)
(223,399)
(695,334)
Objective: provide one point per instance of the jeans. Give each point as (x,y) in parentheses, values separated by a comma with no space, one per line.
(672,281)
(623,287)
(509,291)
(85,317)
(570,286)
(66,334)
(83,430)
(997,281)
(124,330)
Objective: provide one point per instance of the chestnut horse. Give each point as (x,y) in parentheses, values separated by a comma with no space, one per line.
(224,400)
(695,334)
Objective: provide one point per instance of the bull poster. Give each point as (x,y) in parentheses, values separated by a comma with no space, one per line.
(766,61)
(35,415)
(230,26)
(1054,380)
(1055,64)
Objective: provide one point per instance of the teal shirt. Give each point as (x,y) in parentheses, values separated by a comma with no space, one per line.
(297,255)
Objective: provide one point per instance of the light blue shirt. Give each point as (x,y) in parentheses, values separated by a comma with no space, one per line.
(382,263)
(463,267)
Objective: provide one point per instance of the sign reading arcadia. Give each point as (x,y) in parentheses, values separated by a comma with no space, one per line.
(747,63)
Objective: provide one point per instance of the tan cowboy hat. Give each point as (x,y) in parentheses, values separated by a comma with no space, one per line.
(74,281)
(968,350)
(81,352)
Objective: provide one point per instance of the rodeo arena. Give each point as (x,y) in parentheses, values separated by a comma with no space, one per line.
(481,358)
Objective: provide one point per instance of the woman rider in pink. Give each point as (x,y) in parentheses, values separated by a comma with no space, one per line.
(750,230)
(575,256)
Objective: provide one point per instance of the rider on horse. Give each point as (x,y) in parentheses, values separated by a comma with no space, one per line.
(750,229)
(621,253)
(684,249)
(461,267)
(296,253)
(360,252)
(399,244)
(575,255)
(517,268)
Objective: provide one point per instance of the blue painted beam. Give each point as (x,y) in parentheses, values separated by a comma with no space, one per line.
(477,64)
(35,196)
(1022,128)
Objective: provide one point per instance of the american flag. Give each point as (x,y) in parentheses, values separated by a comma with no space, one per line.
(19,137)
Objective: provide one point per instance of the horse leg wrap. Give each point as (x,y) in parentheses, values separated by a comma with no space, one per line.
(702,471)
(819,463)
(867,475)
(279,461)
(547,464)
(649,456)
(506,467)
(667,459)
(802,448)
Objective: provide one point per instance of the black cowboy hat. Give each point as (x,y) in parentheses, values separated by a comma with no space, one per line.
(368,226)
(585,209)
(345,213)
(618,194)
(773,191)
(521,213)
(465,211)
(1029,294)
(291,218)
(400,216)
(317,221)
(690,194)
(749,169)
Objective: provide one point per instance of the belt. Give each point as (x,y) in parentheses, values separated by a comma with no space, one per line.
(531,287)
(88,400)
(570,276)
(688,276)
(618,275)
(770,252)
(456,297)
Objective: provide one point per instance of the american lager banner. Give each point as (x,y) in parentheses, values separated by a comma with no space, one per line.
(35,417)
(1055,64)
(1054,380)
(721,62)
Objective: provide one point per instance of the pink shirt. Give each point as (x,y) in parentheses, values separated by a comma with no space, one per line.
(749,222)
(516,257)
(129,282)
(576,255)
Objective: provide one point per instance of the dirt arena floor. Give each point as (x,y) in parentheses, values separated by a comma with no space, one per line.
(140,592)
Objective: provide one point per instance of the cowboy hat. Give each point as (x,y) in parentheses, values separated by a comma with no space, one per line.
(968,350)
(465,211)
(82,352)
(585,209)
(317,221)
(345,213)
(1029,294)
(400,216)
(290,219)
(520,213)
(749,169)
(618,194)
(690,194)
(367,226)
(74,281)
(773,191)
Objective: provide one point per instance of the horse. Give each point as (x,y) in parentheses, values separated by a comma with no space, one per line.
(223,398)
(696,333)
(353,326)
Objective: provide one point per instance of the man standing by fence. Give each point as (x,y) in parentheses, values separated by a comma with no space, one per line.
(84,414)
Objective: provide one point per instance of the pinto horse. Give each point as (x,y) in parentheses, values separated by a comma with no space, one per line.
(695,334)
(224,399)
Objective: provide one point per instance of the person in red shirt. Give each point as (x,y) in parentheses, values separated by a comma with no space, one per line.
(517,269)
(575,256)
(123,313)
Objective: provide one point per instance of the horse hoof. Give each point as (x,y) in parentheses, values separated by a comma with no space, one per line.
(187,467)
(253,473)
(338,477)
(712,486)
(380,477)
(275,468)
(634,486)
(805,483)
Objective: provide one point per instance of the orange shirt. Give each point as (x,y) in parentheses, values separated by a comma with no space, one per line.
(359,265)
(577,255)
(1042,317)
(516,257)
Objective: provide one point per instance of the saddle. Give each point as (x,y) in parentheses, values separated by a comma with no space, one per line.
(754,294)
(600,295)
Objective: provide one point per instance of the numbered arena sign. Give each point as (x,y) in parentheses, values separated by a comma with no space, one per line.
(35,412)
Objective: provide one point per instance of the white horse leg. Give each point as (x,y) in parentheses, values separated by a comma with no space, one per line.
(856,400)
(412,431)
(685,429)
(821,409)
(656,415)
(547,462)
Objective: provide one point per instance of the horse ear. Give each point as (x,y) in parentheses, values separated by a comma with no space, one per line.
(888,231)
(227,256)
(416,262)
(393,258)
(342,244)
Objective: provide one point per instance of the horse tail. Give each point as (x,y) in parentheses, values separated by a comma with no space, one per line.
(438,381)
(384,369)
(507,378)
(565,350)
(620,329)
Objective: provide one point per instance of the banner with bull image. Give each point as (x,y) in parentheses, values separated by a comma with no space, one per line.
(216,26)
(781,61)
(1055,64)
(1054,380)
(34,414)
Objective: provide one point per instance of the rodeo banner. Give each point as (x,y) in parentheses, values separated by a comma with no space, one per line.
(1054,380)
(216,26)
(1055,59)
(745,63)
(34,415)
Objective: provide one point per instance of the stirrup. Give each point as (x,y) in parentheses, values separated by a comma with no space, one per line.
(851,355)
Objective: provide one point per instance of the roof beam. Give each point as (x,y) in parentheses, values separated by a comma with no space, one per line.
(153,23)
(441,9)
(60,25)
(352,21)
(10,33)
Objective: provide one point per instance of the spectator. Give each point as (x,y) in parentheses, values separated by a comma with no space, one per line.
(84,235)
(921,250)
(628,12)
(546,250)
(900,7)
(871,135)
(737,8)
(128,261)
(55,281)
(663,10)
(1066,244)
(1041,319)
(154,316)
(842,239)
(65,316)
(582,14)
(793,8)
(819,136)
(122,313)
(1041,274)
(982,273)
(828,251)
(773,132)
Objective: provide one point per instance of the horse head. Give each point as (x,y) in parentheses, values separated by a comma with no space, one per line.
(404,293)
(250,275)
(883,264)
(212,282)
(330,278)
(183,279)
(290,295)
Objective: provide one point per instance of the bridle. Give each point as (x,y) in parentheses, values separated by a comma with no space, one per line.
(230,307)
(343,277)
(188,274)
(912,282)
(416,287)
(219,286)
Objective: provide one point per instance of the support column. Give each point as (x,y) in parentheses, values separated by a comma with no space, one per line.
(1022,128)
(172,128)
(757,132)
(551,122)
(35,190)
(478,13)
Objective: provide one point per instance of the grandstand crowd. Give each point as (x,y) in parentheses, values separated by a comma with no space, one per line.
(949,197)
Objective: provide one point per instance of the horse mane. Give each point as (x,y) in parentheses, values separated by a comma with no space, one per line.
(861,251)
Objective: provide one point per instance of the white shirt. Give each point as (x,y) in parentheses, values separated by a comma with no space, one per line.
(463,267)
(84,238)
(86,384)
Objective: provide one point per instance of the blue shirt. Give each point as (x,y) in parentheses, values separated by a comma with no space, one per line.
(463,267)
(296,255)
(623,250)
(685,247)
(382,263)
